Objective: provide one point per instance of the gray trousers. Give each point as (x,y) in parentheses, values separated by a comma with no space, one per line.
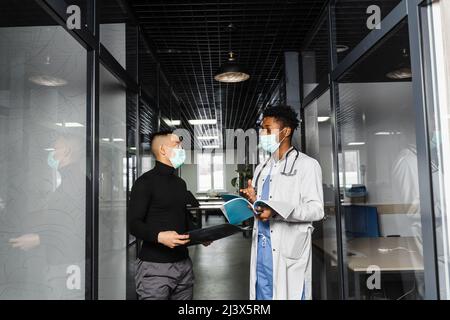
(164,281)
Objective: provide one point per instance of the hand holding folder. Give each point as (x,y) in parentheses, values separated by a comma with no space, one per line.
(236,211)
(239,209)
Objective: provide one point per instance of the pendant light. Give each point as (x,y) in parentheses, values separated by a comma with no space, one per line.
(403,70)
(231,71)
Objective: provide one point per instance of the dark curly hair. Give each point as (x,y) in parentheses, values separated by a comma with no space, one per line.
(284,114)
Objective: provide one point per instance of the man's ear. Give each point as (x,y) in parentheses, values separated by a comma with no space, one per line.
(161,150)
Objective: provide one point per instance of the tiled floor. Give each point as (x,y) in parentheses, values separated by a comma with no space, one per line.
(221,269)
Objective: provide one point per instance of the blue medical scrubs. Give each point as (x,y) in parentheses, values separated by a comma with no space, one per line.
(264,263)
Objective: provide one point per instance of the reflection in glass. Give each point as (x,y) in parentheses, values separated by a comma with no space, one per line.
(42,164)
(435,26)
(112,188)
(319,146)
(380,202)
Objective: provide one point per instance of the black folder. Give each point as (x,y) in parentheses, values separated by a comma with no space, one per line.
(213,233)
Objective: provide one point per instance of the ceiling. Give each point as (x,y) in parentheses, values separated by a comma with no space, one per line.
(192,39)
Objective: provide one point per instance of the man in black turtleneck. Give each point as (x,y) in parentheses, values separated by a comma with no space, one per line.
(157,214)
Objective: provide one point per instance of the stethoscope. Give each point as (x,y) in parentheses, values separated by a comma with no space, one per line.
(291,172)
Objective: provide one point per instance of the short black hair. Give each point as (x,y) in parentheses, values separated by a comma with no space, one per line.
(283,113)
(159,134)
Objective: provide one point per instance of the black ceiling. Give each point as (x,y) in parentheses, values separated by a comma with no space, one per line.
(192,39)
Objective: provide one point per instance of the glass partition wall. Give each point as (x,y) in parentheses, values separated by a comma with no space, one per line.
(368,121)
(43,120)
(319,145)
(74,129)
(365,125)
(380,198)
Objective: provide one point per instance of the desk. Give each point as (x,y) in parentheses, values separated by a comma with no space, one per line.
(205,208)
(207,199)
(363,252)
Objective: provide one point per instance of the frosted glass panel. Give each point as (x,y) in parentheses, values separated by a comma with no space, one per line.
(112,188)
(42,164)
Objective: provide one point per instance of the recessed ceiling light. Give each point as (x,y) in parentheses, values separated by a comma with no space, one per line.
(208,138)
(196,122)
(322,119)
(387,133)
(105,139)
(49,149)
(356,143)
(382,133)
(172,123)
(69,124)
(48,81)
(118,140)
(215,146)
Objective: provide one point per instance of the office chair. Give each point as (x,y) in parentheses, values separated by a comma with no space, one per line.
(361,221)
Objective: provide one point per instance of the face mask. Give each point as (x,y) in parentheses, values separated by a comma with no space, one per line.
(178,157)
(51,161)
(269,142)
(435,139)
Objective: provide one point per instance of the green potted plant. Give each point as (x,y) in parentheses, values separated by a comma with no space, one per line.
(244,172)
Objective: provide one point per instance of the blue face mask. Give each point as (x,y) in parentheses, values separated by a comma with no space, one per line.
(269,142)
(178,157)
(51,161)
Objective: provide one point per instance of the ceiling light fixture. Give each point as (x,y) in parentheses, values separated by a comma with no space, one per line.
(322,119)
(356,143)
(208,138)
(48,81)
(197,122)
(403,70)
(69,124)
(387,133)
(212,146)
(231,71)
(172,123)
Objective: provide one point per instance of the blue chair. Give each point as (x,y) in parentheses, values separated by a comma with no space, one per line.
(361,221)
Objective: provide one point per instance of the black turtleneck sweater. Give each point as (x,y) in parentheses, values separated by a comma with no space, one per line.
(158,203)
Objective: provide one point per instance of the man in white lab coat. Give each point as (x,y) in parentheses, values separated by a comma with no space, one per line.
(291,183)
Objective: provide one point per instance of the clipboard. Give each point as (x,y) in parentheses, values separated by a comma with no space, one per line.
(214,233)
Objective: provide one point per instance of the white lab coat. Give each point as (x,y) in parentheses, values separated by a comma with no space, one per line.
(298,200)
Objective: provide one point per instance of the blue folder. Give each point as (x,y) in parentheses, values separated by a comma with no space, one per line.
(237,211)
